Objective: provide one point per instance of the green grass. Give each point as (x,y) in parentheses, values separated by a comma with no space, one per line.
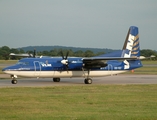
(146,70)
(85,102)
(8,61)
(149,70)
(149,62)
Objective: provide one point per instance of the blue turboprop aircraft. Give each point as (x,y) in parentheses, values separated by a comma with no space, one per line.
(67,67)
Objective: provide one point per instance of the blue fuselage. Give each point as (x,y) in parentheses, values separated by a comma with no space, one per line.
(52,67)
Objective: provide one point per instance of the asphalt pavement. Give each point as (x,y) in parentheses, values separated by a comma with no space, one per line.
(43,82)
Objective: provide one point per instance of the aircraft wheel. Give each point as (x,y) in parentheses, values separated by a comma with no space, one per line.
(88,81)
(14,81)
(85,81)
(56,79)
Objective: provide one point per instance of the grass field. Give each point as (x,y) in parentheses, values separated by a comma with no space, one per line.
(93,102)
(8,61)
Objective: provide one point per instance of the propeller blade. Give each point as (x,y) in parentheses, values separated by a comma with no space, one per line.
(62,54)
(64,60)
(67,55)
(34,53)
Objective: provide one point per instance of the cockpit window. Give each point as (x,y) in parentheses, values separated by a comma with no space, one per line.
(23,63)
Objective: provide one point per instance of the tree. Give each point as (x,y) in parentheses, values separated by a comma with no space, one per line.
(54,52)
(100,53)
(6,48)
(148,53)
(21,51)
(79,53)
(88,53)
(13,50)
(4,52)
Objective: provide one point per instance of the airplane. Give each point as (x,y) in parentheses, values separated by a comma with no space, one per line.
(24,55)
(87,67)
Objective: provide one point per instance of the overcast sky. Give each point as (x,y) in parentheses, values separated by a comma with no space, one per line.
(77,23)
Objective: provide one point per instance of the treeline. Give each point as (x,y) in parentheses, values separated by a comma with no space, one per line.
(5,51)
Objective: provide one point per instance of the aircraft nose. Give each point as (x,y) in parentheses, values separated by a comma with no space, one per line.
(4,69)
(7,69)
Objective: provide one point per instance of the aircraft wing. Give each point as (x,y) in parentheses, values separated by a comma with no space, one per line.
(21,55)
(107,58)
(24,55)
(101,61)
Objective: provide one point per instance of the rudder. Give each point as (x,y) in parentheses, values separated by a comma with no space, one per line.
(131,46)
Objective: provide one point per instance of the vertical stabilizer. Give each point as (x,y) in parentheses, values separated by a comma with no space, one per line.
(131,46)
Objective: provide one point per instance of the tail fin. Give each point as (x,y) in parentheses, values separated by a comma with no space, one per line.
(131,46)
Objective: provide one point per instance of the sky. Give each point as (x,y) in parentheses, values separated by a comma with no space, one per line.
(77,23)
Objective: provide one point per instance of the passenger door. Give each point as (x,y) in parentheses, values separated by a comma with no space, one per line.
(37,69)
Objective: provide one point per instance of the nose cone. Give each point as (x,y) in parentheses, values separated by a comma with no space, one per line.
(10,68)
(6,69)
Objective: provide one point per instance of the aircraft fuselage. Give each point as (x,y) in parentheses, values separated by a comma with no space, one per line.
(52,67)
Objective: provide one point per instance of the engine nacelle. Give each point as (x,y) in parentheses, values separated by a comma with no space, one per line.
(95,65)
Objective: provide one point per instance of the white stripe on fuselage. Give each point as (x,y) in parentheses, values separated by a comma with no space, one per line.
(62,74)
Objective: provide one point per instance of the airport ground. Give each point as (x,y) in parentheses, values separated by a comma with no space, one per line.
(121,79)
(144,75)
(128,96)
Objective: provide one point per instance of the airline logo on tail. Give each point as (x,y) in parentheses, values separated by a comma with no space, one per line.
(131,46)
(136,47)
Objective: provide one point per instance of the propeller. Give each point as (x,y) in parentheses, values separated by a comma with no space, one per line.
(64,60)
(32,55)
(34,52)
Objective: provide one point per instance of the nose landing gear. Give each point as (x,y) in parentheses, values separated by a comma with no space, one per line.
(13,81)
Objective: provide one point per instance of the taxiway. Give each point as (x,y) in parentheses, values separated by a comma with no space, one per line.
(117,79)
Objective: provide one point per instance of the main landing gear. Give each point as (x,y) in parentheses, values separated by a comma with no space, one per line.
(56,79)
(13,81)
(88,81)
